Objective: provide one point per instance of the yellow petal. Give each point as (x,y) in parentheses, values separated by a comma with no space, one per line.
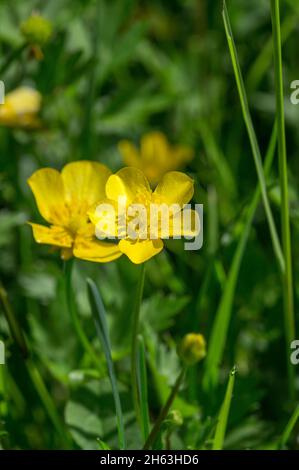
(104,217)
(129,153)
(128,183)
(47,187)
(96,250)
(141,250)
(155,148)
(182,154)
(184,224)
(84,183)
(175,188)
(53,235)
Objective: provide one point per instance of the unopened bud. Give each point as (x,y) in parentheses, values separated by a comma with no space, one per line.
(192,348)
(36,30)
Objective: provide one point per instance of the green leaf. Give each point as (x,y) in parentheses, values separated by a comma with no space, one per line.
(99,316)
(289,428)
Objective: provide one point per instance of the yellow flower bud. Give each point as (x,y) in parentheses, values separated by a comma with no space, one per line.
(192,348)
(36,30)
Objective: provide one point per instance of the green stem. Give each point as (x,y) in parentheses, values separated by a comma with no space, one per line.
(142,388)
(164,412)
(134,340)
(75,318)
(289,428)
(223,315)
(252,138)
(287,275)
(48,403)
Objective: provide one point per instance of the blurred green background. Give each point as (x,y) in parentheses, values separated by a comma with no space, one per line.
(117,69)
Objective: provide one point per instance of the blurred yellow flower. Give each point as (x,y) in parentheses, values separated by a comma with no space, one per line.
(156,156)
(130,186)
(21,108)
(192,348)
(63,200)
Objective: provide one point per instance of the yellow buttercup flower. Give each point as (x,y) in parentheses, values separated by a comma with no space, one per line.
(156,156)
(21,108)
(63,200)
(130,187)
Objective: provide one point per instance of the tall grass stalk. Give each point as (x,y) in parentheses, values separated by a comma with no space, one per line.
(224,412)
(289,428)
(223,315)
(134,340)
(87,347)
(142,388)
(48,403)
(287,276)
(252,137)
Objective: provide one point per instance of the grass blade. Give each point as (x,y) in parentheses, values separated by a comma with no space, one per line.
(135,327)
(289,428)
(253,139)
(48,403)
(223,315)
(99,315)
(72,308)
(224,412)
(142,388)
(287,277)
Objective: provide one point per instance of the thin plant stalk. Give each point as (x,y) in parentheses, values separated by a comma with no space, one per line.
(224,311)
(75,318)
(164,412)
(289,428)
(47,401)
(134,339)
(287,276)
(142,388)
(253,139)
